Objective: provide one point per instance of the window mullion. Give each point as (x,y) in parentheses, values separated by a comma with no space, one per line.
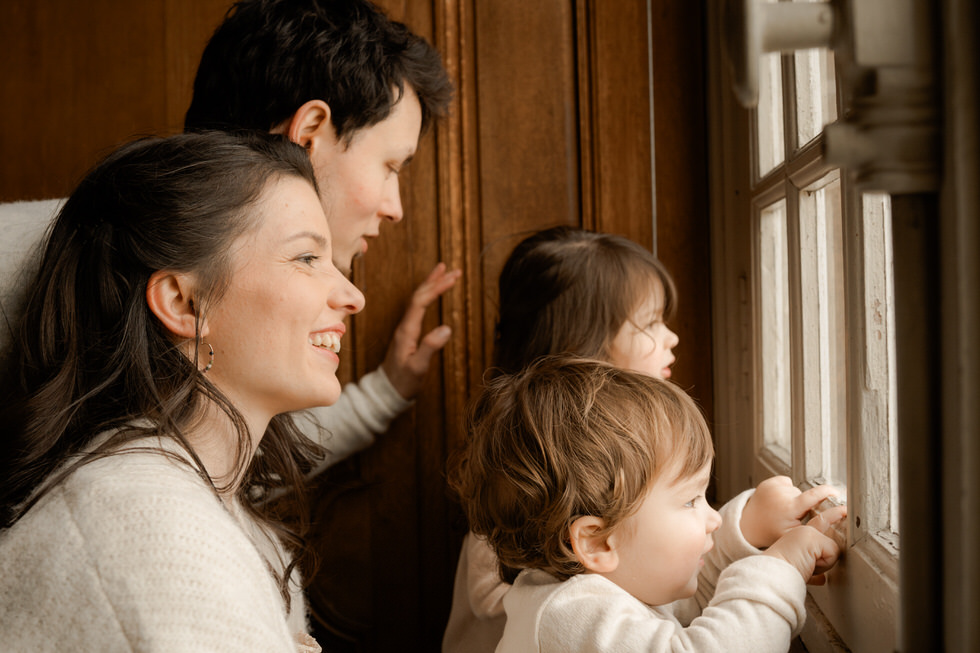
(798,420)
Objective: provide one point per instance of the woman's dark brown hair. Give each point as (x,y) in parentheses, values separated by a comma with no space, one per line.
(89,357)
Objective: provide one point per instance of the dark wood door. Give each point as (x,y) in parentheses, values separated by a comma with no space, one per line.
(579,112)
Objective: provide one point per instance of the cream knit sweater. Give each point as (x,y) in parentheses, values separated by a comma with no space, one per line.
(745,603)
(134,552)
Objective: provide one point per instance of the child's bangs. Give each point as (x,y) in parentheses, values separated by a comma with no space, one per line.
(678,432)
(647,276)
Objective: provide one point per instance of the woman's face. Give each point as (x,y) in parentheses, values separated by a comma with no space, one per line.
(276,331)
(644,342)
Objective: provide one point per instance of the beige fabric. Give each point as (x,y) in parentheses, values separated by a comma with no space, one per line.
(22,228)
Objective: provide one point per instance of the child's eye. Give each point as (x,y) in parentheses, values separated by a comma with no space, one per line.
(693,502)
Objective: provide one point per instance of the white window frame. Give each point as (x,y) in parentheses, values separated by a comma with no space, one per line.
(860,605)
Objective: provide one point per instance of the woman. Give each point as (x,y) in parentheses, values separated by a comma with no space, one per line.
(184,303)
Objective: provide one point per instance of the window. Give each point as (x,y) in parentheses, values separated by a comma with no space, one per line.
(805,332)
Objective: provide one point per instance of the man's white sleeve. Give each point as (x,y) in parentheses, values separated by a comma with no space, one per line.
(365,409)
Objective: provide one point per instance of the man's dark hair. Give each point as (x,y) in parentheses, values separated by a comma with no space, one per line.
(269,57)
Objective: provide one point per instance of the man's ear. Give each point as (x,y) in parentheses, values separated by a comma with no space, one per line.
(310,123)
(593,548)
(170,296)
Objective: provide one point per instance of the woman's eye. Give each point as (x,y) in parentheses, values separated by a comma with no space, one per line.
(309,259)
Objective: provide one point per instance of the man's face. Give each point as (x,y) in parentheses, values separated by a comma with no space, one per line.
(359,183)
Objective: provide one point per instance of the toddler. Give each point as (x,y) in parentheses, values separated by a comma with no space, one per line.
(588,482)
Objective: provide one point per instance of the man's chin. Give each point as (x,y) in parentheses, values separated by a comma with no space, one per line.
(346,264)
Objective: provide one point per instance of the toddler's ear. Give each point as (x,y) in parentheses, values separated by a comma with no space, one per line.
(593,548)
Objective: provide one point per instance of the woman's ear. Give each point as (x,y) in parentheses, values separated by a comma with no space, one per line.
(593,548)
(309,124)
(170,296)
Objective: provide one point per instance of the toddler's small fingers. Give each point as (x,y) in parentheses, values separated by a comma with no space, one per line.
(833,515)
(817,579)
(812,497)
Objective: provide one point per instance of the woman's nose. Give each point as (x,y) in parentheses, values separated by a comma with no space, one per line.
(345,296)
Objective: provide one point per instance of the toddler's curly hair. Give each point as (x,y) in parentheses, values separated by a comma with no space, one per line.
(565,438)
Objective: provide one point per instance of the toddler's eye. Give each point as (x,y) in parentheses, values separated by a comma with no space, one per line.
(693,502)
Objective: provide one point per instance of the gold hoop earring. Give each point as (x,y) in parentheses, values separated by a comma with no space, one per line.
(210,358)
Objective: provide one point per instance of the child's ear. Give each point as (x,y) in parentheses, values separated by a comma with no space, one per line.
(593,548)
(309,124)
(170,297)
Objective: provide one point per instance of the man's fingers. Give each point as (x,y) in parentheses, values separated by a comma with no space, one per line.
(435,340)
(438,282)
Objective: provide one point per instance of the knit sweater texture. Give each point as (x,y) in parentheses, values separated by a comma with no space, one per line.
(135,552)
(744,602)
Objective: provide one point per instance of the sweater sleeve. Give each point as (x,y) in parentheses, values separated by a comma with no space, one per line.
(757,609)
(730,545)
(485,588)
(145,558)
(476,620)
(365,408)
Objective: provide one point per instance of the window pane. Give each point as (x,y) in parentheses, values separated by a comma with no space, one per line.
(822,295)
(774,289)
(880,433)
(816,92)
(769,115)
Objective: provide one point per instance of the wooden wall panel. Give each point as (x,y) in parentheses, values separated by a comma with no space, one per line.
(528,129)
(617,119)
(80,78)
(681,164)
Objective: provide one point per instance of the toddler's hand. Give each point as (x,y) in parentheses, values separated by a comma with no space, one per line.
(808,548)
(776,507)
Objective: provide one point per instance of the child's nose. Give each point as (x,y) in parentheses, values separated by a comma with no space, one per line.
(714,520)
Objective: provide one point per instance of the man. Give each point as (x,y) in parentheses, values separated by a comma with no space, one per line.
(357,90)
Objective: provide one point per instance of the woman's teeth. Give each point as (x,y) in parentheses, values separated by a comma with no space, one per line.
(328,340)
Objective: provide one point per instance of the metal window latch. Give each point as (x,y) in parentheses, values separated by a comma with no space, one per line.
(889,134)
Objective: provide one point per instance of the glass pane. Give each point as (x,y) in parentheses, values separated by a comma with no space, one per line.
(880,433)
(816,92)
(774,289)
(769,114)
(822,298)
